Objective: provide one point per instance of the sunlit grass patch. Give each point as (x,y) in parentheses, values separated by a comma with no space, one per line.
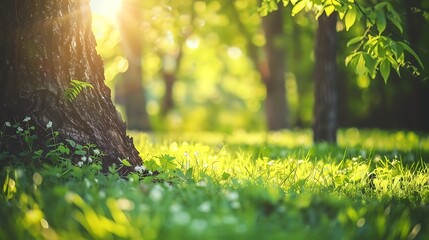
(239,185)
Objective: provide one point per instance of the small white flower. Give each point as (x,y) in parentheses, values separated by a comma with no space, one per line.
(83,158)
(175,207)
(156,193)
(90,160)
(186,154)
(205,207)
(96,152)
(80,163)
(232,196)
(49,124)
(7,124)
(20,129)
(181,218)
(139,169)
(202,183)
(26,119)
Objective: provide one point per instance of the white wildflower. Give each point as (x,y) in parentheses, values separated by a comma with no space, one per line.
(90,160)
(205,207)
(156,193)
(186,154)
(26,119)
(49,124)
(96,151)
(80,163)
(7,124)
(83,158)
(181,218)
(102,194)
(232,196)
(202,183)
(87,183)
(139,169)
(20,129)
(175,207)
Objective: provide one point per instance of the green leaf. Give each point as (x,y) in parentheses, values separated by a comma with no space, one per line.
(80,152)
(411,51)
(385,69)
(360,66)
(75,88)
(285,3)
(298,7)
(371,65)
(329,10)
(350,18)
(350,57)
(354,40)
(273,6)
(379,6)
(396,22)
(63,149)
(380,21)
(71,142)
(225,176)
(126,163)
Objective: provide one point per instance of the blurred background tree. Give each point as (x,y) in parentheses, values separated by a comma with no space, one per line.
(203,66)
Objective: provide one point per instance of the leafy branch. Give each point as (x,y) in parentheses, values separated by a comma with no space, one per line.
(75,88)
(374,51)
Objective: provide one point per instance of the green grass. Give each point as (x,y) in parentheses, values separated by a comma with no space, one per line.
(231,186)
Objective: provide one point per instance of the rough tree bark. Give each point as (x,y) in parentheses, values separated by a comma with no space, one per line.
(325,84)
(130,91)
(44,45)
(276,107)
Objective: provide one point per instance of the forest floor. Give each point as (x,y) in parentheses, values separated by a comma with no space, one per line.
(372,185)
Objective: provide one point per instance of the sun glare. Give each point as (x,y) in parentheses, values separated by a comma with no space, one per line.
(105,8)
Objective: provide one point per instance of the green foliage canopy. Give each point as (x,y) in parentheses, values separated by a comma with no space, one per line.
(373,51)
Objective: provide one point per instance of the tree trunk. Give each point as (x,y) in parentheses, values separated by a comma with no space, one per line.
(131,92)
(272,73)
(325,85)
(171,64)
(44,45)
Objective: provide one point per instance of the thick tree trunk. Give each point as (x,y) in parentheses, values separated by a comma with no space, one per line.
(273,74)
(44,45)
(325,85)
(131,93)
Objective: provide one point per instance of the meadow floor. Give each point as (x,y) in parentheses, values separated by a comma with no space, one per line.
(372,185)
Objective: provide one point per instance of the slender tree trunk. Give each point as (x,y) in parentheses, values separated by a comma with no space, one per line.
(171,64)
(44,45)
(131,92)
(325,85)
(273,72)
